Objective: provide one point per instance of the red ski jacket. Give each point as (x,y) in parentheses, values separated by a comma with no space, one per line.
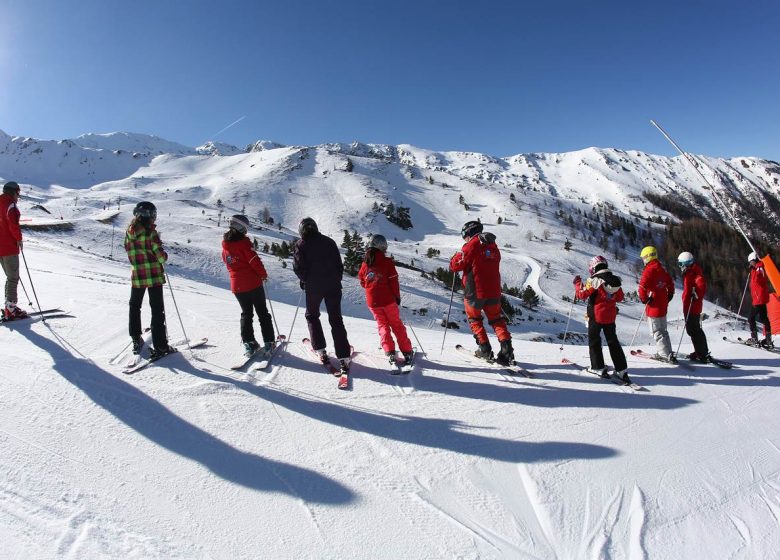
(380,281)
(693,279)
(656,289)
(10,234)
(245,267)
(479,261)
(759,284)
(603,292)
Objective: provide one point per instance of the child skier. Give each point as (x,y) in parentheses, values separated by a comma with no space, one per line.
(479,260)
(383,296)
(10,247)
(694,289)
(247,275)
(759,295)
(656,290)
(146,254)
(602,292)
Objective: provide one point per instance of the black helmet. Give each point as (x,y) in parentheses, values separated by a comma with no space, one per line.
(307,227)
(240,223)
(470,229)
(378,242)
(145,209)
(11,187)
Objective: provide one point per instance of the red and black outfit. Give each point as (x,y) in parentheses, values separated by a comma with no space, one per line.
(10,237)
(247,275)
(694,289)
(383,294)
(479,260)
(602,291)
(759,295)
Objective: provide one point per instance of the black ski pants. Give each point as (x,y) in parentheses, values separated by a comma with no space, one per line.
(699,339)
(337,330)
(159,331)
(596,352)
(255,300)
(759,312)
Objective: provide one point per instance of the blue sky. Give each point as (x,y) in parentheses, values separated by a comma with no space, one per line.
(493,77)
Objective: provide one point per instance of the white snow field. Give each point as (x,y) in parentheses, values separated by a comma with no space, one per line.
(188,459)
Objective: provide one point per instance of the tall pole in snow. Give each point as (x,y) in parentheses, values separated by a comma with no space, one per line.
(712,189)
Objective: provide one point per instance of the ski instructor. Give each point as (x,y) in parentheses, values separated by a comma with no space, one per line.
(317,264)
(10,247)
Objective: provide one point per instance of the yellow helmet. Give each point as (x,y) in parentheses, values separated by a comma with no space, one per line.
(648,254)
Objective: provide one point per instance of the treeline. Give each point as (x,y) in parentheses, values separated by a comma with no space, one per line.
(720,251)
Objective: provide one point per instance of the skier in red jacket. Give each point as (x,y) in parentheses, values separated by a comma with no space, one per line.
(656,290)
(479,260)
(694,289)
(10,246)
(383,296)
(247,275)
(759,295)
(602,291)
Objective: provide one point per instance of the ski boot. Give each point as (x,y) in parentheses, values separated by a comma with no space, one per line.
(408,357)
(623,376)
(752,341)
(767,343)
(484,351)
(505,356)
(155,354)
(391,357)
(323,356)
(601,372)
(138,343)
(344,365)
(268,347)
(12,312)
(251,347)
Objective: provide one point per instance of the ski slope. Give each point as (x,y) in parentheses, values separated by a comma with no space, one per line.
(187,459)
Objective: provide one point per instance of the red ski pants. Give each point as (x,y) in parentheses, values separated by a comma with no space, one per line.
(495,320)
(388,319)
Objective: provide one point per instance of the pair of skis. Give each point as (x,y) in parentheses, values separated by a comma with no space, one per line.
(512,369)
(404,367)
(344,381)
(261,358)
(178,346)
(53,313)
(687,364)
(610,376)
(746,343)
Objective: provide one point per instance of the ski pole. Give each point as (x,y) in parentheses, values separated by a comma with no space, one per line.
(271,308)
(736,318)
(447,320)
(29,301)
(297,307)
(568,318)
(32,286)
(642,318)
(686,323)
(176,307)
(409,324)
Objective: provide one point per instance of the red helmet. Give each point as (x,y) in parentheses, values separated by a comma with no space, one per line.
(595,262)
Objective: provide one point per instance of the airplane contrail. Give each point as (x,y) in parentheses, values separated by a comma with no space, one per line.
(228,126)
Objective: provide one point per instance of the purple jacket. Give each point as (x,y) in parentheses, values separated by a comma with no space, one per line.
(317,263)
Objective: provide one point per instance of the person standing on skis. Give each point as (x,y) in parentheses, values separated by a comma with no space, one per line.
(10,247)
(318,266)
(479,260)
(247,275)
(603,292)
(383,295)
(759,295)
(146,254)
(656,290)
(694,290)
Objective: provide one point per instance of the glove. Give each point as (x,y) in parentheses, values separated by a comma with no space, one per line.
(21,246)
(302,284)
(577,280)
(398,301)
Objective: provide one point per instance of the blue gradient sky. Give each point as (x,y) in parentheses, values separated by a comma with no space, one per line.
(493,77)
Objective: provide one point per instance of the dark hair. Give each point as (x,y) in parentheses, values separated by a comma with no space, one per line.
(371,255)
(233,235)
(143,221)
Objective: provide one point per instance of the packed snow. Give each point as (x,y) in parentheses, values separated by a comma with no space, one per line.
(189,459)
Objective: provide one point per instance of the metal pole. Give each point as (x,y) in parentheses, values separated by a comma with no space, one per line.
(686,324)
(176,307)
(29,301)
(32,286)
(566,330)
(271,308)
(408,324)
(297,307)
(642,318)
(736,318)
(712,189)
(447,320)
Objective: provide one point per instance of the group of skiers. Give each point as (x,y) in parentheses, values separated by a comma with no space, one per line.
(317,264)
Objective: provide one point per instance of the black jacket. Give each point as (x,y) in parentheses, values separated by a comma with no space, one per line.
(317,263)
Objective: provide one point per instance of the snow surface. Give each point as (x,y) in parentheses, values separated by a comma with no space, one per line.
(188,459)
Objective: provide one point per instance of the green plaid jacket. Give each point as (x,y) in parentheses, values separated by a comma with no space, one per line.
(146,254)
